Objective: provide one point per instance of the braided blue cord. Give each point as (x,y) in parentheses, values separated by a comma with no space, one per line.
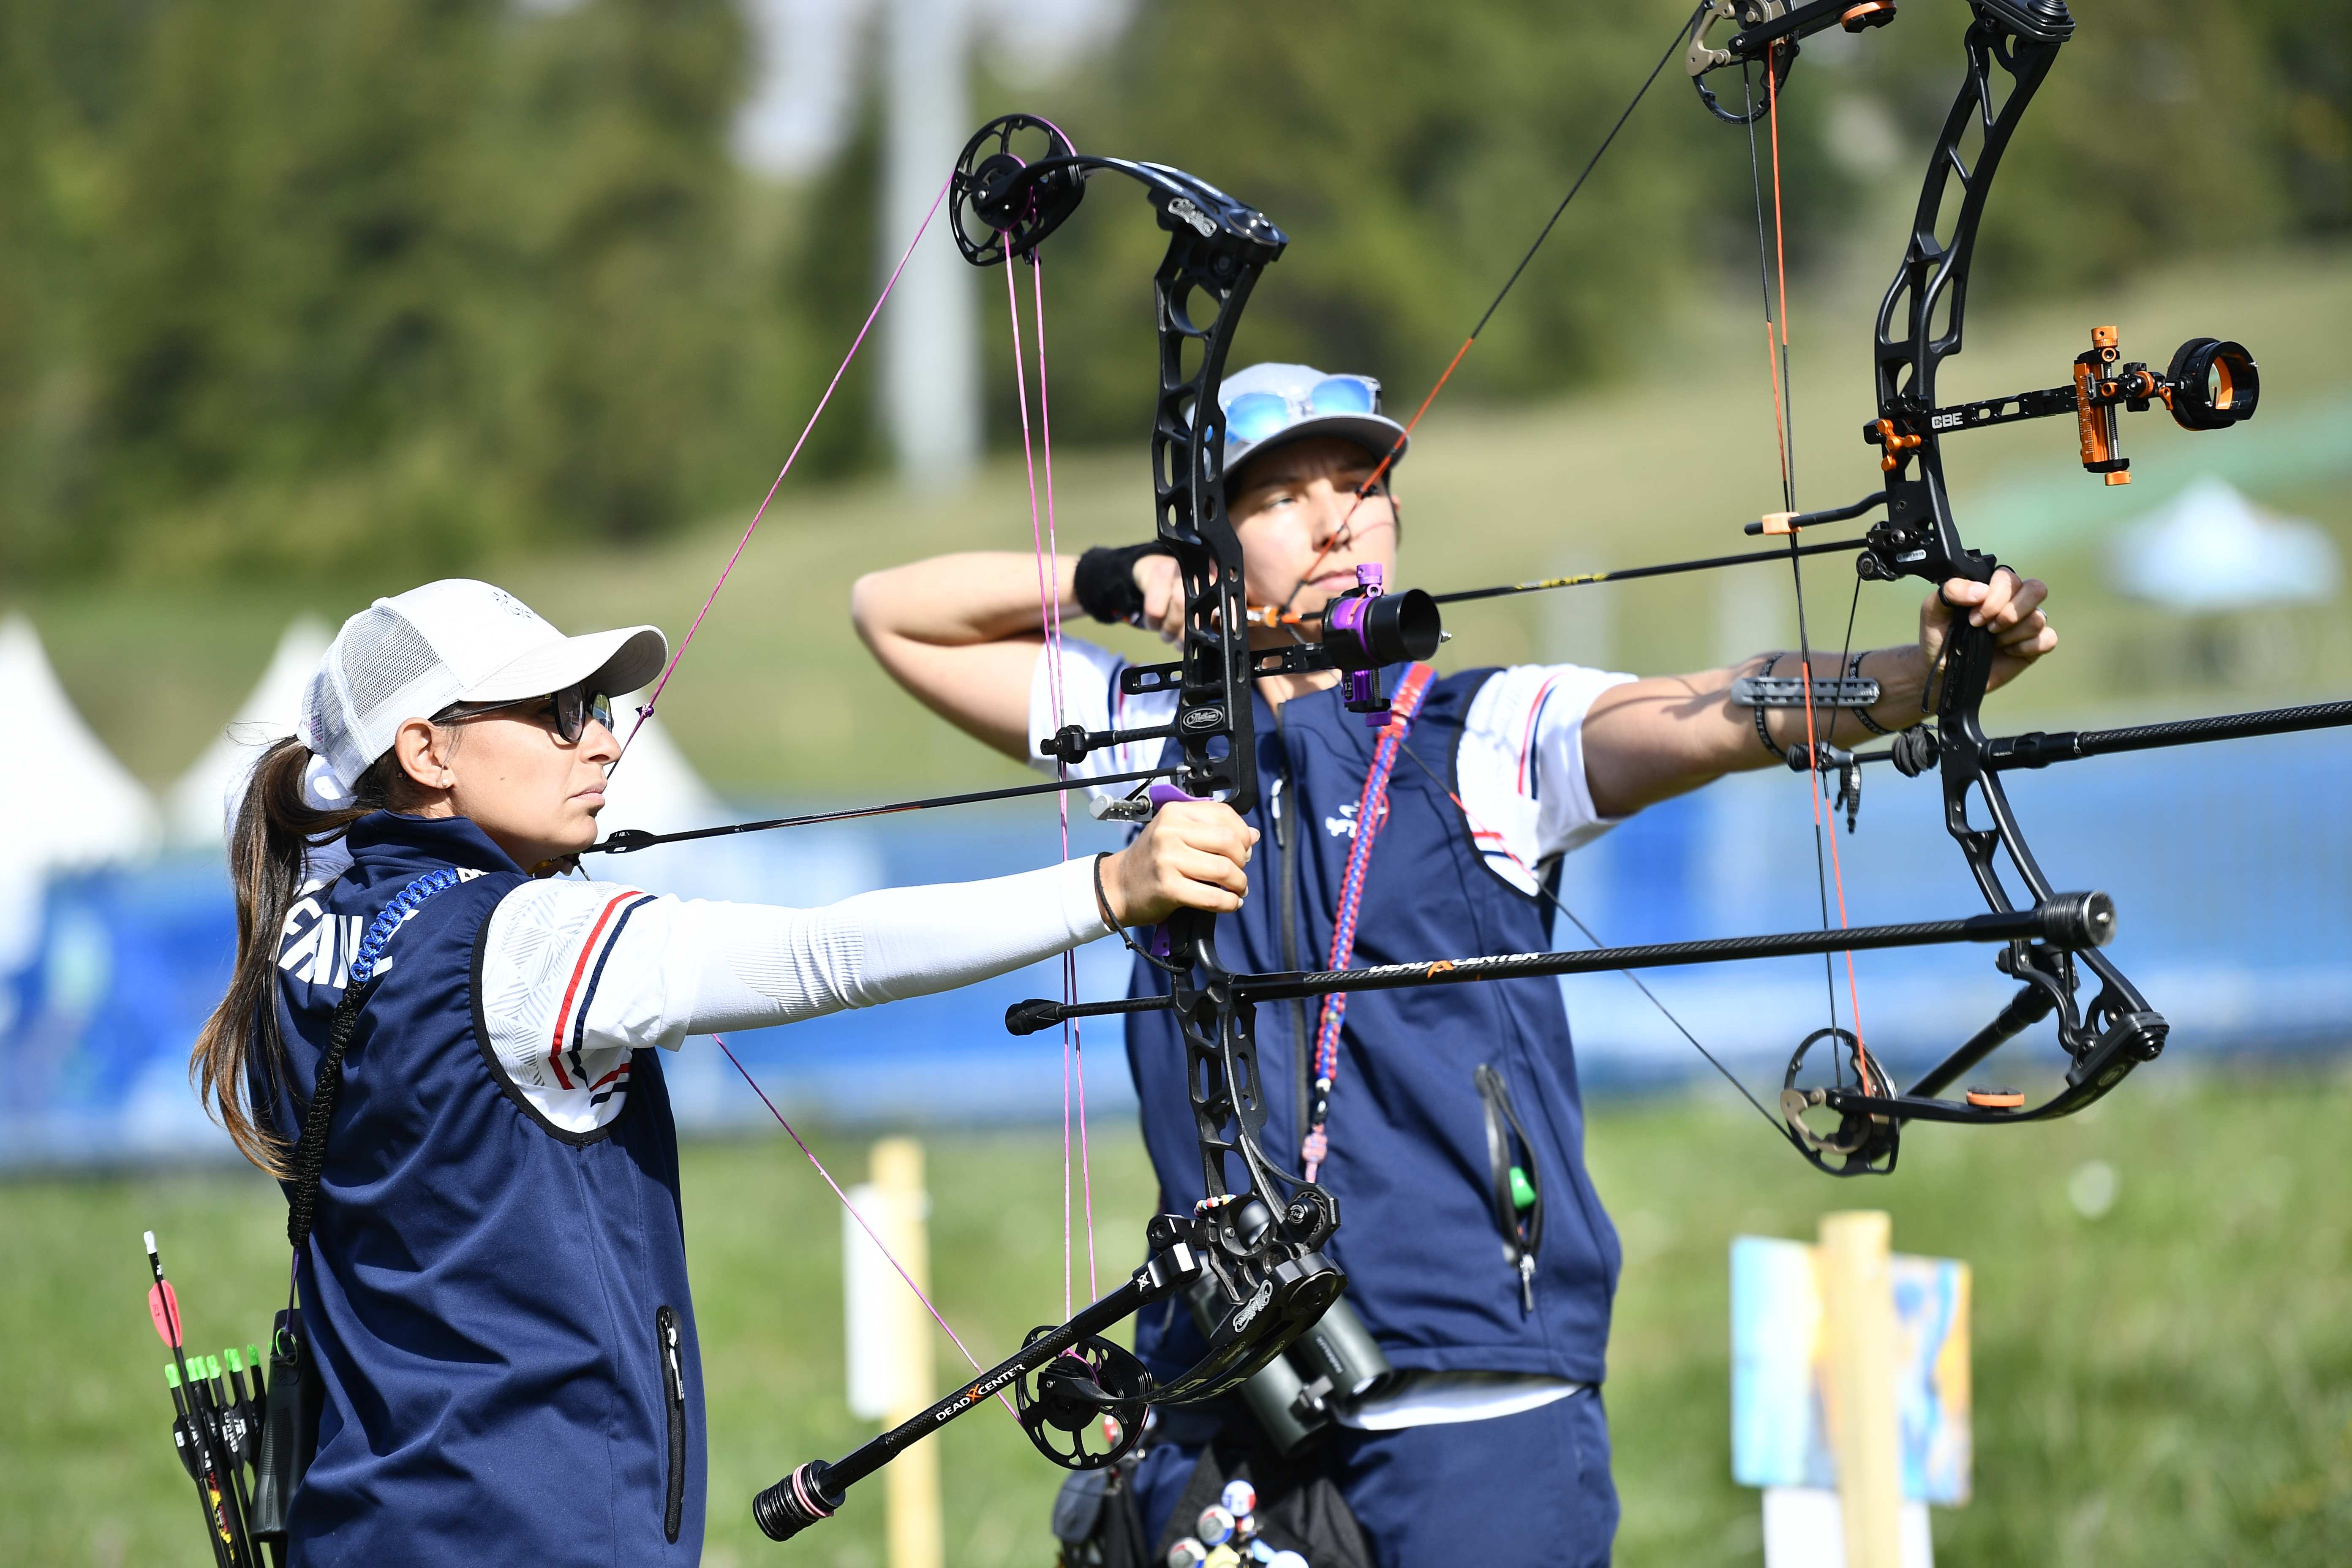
(403,904)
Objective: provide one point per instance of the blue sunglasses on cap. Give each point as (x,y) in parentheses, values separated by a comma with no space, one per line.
(1254,415)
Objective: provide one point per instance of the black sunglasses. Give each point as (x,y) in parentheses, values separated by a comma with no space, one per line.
(575,706)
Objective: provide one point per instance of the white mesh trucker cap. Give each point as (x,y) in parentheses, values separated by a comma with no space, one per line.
(456,640)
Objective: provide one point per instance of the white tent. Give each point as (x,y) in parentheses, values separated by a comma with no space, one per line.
(73,805)
(2210,550)
(197,806)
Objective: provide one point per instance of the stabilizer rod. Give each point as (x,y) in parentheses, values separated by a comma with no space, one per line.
(2065,920)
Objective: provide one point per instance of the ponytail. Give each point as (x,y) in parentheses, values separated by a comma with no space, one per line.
(239,1061)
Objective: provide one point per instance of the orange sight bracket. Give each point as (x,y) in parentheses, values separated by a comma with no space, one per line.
(2096,419)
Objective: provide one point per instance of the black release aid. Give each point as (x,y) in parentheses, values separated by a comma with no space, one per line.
(289,1427)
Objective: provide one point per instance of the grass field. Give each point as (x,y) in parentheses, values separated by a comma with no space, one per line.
(2169,1383)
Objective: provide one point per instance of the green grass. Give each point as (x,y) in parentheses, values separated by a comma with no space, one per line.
(1662,459)
(2172,1383)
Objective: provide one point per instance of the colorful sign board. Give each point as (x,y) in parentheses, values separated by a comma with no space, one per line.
(1780,1426)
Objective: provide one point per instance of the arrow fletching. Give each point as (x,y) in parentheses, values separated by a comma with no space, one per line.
(163,1309)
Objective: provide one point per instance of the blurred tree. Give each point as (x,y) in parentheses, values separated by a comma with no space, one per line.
(1412,155)
(632,244)
(407,282)
(287,324)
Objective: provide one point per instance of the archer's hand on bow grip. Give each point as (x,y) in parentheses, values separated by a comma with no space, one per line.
(1191,855)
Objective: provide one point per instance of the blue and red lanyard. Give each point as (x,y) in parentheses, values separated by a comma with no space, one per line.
(1371,815)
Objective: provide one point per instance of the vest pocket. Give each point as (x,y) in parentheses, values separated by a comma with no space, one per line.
(674,1391)
(1515,1189)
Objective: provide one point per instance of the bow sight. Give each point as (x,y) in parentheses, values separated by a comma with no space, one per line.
(1363,631)
(2212,384)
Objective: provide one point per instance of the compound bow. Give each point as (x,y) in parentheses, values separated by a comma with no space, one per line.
(1248,1249)
(2009,45)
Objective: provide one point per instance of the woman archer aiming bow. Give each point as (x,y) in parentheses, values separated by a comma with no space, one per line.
(1446,1121)
(484,1184)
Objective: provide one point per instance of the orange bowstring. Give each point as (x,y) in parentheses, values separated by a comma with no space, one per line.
(1363,492)
(1777,360)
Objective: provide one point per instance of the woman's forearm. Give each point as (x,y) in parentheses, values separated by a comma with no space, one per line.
(956,601)
(961,633)
(1651,740)
(757,966)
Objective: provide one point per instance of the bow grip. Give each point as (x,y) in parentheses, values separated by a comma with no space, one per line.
(1162,794)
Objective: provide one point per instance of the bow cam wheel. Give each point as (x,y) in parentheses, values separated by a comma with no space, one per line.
(1085,1408)
(1861,1144)
(1001,205)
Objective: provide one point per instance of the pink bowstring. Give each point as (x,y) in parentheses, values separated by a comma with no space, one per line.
(646,711)
(1069,960)
(887,1255)
(1049,616)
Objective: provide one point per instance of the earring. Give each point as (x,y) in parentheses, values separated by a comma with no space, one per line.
(447,779)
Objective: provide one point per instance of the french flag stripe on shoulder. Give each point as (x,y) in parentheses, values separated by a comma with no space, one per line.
(599,942)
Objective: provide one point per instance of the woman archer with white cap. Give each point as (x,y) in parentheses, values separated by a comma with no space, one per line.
(484,1180)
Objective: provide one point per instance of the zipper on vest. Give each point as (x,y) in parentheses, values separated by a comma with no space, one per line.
(1515,1185)
(674,1386)
(1282,806)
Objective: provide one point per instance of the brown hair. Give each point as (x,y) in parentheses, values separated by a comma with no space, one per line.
(269,856)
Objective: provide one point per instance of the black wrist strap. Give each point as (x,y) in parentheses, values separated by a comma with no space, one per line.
(310,1150)
(1104,581)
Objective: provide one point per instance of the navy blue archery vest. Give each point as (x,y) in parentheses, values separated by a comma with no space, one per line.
(1416,1129)
(492,1299)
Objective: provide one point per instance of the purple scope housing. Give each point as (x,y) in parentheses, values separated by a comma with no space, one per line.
(1367,628)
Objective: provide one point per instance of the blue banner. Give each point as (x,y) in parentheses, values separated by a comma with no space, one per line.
(2227,864)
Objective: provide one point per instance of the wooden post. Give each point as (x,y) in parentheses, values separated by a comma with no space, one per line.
(1858,1322)
(912,1481)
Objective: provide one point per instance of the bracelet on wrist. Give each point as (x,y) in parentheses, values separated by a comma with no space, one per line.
(1854,671)
(1763,729)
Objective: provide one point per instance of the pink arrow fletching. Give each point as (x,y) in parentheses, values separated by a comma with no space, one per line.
(163,1308)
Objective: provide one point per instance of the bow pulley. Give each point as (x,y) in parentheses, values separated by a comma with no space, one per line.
(1005,203)
(1083,1409)
(1864,1143)
(1768,31)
